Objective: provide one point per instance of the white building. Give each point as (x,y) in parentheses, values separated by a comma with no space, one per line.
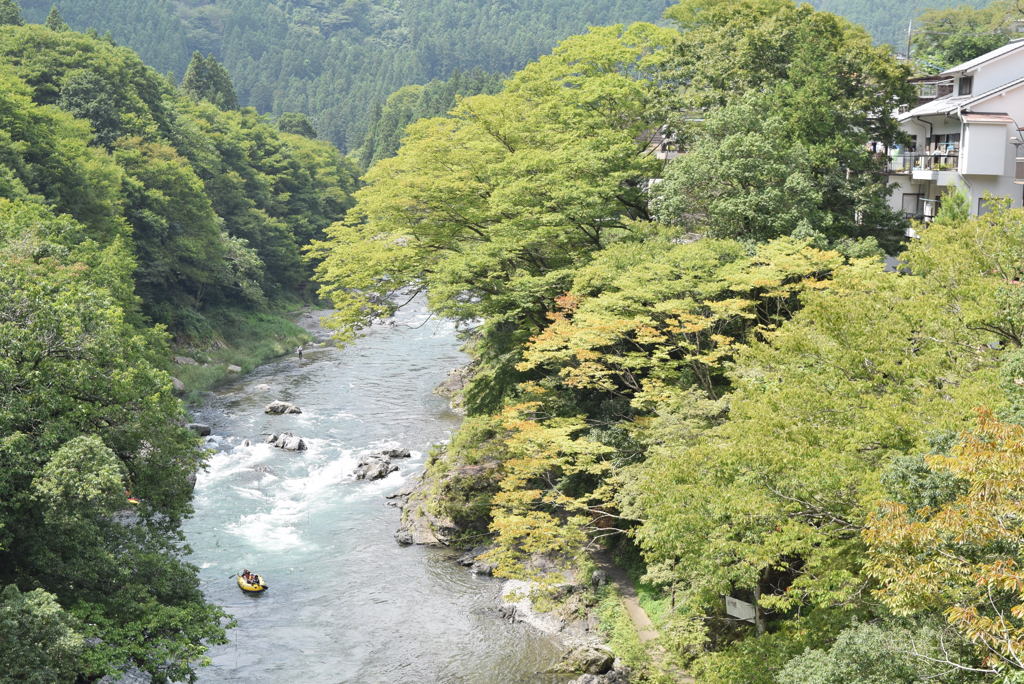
(965,136)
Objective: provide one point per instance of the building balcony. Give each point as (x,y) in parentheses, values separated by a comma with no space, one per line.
(939,165)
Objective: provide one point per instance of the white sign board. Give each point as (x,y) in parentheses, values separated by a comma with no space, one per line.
(740,609)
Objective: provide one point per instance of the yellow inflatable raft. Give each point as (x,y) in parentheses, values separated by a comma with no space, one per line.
(252,588)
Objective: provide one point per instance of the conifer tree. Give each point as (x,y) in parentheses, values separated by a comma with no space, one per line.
(10,13)
(294,122)
(206,79)
(55,22)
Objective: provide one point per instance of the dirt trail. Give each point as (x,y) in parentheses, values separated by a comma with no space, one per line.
(645,629)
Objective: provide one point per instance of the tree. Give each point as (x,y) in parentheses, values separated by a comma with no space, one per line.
(962,557)
(946,37)
(206,79)
(10,13)
(55,22)
(297,124)
(84,415)
(40,643)
(775,129)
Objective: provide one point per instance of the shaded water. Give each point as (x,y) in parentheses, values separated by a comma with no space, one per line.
(346,603)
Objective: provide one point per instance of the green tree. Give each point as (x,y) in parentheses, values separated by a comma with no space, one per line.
(55,22)
(71,354)
(297,124)
(10,13)
(774,127)
(206,79)
(962,558)
(40,643)
(946,37)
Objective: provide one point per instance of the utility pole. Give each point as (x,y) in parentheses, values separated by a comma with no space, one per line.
(910,34)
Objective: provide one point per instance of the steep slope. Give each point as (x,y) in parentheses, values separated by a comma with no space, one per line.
(887,20)
(336,60)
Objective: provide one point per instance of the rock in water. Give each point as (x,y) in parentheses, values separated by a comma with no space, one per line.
(290,442)
(396,453)
(471,560)
(200,429)
(374,468)
(287,441)
(277,408)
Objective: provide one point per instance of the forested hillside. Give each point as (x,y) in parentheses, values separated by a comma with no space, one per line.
(714,375)
(217,203)
(887,20)
(335,61)
(124,203)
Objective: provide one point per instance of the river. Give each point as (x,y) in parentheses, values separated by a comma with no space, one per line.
(346,603)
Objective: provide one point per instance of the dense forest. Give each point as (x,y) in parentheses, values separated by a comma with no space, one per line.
(699,363)
(703,364)
(131,212)
(338,61)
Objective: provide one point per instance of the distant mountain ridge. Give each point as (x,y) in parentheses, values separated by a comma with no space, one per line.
(336,60)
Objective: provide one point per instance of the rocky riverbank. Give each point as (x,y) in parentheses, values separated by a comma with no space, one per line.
(447,505)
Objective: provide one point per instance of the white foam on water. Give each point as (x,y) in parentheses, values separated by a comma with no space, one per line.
(307,481)
(250,493)
(271,531)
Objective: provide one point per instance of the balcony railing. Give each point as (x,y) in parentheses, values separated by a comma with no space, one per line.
(939,160)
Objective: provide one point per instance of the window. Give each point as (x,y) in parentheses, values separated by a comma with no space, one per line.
(966,85)
(985,205)
(912,204)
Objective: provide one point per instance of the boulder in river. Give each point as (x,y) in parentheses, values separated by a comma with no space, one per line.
(396,453)
(374,468)
(278,408)
(261,388)
(471,560)
(420,525)
(287,441)
(200,429)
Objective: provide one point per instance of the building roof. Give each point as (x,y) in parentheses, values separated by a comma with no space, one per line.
(953,103)
(980,117)
(970,64)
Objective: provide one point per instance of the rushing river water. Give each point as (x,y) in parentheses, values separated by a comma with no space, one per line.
(346,603)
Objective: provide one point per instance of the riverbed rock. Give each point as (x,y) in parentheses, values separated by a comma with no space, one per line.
(287,441)
(246,443)
(454,385)
(619,674)
(419,524)
(471,559)
(177,385)
(185,361)
(279,408)
(587,659)
(264,387)
(200,429)
(396,453)
(374,468)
